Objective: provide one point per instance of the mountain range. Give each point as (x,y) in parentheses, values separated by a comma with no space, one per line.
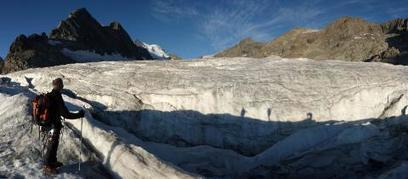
(79,38)
(348,38)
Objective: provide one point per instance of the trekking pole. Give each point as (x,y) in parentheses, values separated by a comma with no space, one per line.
(80,147)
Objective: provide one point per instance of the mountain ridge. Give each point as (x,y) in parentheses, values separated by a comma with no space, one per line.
(348,38)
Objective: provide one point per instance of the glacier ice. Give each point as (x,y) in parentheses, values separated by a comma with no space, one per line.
(236,117)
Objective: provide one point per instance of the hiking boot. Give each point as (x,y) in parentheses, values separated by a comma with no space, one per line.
(57,164)
(50,170)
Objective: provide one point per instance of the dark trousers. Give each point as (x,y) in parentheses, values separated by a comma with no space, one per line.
(52,147)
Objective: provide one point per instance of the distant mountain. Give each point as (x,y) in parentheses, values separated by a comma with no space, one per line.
(79,38)
(245,48)
(348,38)
(174,56)
(155,50)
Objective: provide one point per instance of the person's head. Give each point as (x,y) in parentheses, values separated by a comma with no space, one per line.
(58,84)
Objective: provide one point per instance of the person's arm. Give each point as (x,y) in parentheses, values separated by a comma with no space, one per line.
(66,113)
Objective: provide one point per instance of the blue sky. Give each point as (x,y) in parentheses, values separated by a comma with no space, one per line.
(191,28)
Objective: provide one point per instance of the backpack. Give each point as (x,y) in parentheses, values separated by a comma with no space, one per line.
(40,110)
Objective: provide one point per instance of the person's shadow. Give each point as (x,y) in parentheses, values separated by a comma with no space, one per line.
(243,111)
(404,111)
(269,112)
(29,82)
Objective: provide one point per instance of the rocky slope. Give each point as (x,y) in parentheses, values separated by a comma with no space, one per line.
(1,63)
(171,118)
(79,38)
(350,39)
(33,51)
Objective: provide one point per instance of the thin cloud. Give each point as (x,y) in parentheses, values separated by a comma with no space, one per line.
(166,10)
(226,22)
(223,23)
(224,26)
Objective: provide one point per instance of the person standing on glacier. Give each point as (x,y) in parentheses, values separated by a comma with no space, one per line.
(56,108)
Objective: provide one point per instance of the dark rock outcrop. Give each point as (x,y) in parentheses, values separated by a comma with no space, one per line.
(33,51)
(396,32)
(80,31)
(1,64)
(396,26)
(348,38)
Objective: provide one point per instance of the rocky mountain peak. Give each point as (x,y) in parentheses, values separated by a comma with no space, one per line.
(78,38)
(89,34)
(116,26)
(79,25)
(80,12)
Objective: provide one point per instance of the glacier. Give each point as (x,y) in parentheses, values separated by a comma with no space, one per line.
(216,117)
(155,50)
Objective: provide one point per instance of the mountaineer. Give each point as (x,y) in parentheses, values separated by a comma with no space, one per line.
(47,111)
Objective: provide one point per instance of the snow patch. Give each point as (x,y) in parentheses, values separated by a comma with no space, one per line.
(89,56)
(310,31)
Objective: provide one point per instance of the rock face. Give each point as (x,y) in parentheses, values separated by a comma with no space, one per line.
(33,51)
(1,64)
(397,39)
(88,34)
(396,26)
(349,39)
(176,116)
(79,38)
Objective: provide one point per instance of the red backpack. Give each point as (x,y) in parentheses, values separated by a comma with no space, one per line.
(40,110)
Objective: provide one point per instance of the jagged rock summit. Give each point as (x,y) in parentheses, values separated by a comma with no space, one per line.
(79,38)
(348,38)
(82,28)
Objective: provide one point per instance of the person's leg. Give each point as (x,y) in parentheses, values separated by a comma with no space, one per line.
(52,147)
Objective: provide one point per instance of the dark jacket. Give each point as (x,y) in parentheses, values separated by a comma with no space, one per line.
(57,109)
